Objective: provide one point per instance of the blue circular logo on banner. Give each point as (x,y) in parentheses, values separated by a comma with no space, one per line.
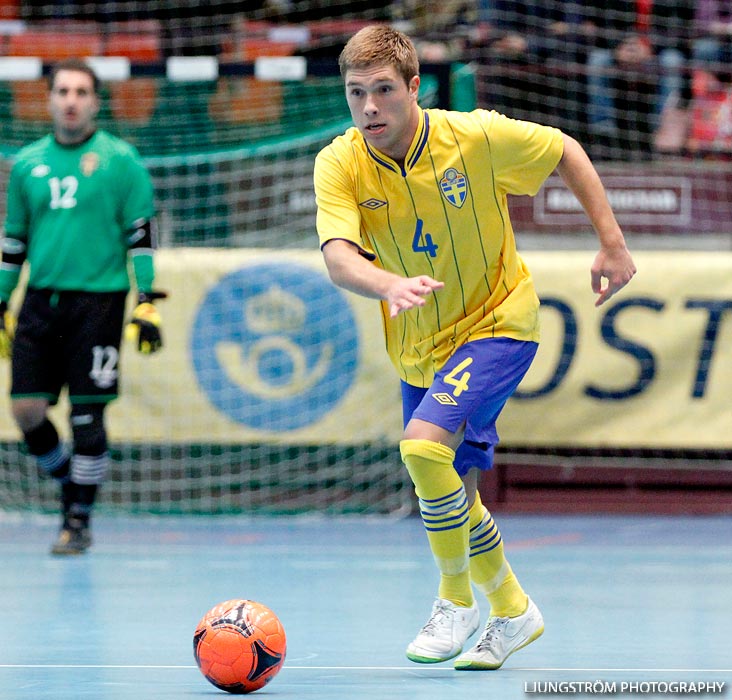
(275,347)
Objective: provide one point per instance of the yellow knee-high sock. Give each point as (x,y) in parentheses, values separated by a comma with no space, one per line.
(444,509)
(490,571)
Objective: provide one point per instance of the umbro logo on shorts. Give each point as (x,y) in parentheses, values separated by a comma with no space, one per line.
(444,398)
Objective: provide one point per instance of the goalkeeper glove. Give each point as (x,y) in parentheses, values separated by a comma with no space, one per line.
(144,327)
(7,331)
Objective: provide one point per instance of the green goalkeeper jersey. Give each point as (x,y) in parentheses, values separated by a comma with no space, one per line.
(73,208)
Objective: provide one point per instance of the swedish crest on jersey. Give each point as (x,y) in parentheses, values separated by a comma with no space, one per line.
(89,163)
(454,187)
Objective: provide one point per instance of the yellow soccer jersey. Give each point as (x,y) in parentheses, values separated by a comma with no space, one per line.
(444,214)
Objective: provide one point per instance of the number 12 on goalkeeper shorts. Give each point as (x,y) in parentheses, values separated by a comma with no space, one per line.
(104,365)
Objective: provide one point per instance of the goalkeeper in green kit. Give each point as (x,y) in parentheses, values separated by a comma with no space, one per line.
(80,213)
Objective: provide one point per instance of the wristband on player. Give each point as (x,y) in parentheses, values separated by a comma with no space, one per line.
(150,297)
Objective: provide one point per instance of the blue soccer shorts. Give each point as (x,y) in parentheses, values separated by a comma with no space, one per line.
(472,388)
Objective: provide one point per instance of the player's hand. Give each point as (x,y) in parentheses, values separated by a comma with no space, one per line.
(408,292)
(144,327)
(614,265)
(7,331)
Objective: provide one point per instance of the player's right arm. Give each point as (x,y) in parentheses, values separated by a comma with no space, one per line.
(349,269)
(12,256)
(15,234)
(347,259)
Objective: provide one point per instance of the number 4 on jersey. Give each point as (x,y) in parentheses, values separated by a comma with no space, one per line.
(428,246)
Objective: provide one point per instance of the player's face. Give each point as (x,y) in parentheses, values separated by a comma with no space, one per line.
(384,108)
(73,105)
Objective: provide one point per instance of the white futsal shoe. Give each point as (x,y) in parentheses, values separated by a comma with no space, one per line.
(500,638)
(445,633)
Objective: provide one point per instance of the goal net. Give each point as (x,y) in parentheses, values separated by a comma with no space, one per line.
(273,393)
(231,160)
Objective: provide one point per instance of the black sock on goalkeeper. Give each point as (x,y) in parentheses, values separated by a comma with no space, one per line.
(52,457)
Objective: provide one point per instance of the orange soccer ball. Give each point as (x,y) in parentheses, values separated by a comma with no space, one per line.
(239,645)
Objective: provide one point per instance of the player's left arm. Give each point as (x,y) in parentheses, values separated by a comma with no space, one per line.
(144,328)
(613,262)
(141,235)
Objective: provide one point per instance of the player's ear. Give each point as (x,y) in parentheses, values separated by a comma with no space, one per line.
(413,86)
(97,104)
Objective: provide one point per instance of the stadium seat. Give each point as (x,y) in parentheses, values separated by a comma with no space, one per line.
(239,29)
(133,101)
(143,47)
(328,36)
(9,9)
(329,28)
(249,48)
(30,102)
(245,101)
(55,44)
(249,40)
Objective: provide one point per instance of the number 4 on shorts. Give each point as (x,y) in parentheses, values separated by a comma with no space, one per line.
(459,382)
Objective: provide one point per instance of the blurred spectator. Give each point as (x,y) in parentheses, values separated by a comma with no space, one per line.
(312,10)
(190,27)
(439,28)
(711,112)
(532,52)
(633,88)
(713,46)
(672,32)
(637,74)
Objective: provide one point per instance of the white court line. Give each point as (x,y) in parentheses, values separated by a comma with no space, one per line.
(425,667)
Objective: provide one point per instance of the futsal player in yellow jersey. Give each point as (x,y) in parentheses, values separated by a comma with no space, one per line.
(412,210)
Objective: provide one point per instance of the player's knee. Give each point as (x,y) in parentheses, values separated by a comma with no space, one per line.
(430,466)
(419,450)
(87,427)
(41,439)
(29,414)
(51,456)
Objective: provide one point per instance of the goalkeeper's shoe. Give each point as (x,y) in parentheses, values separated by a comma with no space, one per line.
(74,536)
(7,331)
(500,638)
(144,327)
(445,633)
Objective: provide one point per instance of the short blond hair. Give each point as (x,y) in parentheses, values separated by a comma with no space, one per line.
(380,45)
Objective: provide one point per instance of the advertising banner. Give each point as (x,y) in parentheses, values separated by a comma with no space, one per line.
(689,199)
(260,346)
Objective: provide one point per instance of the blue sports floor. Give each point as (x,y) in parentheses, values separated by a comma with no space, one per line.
(626,600)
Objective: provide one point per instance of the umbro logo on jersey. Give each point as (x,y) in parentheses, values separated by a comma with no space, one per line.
(372,203)
(454,186)
(444,398)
